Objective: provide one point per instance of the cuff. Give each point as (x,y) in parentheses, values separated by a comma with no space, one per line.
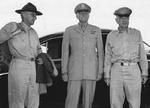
(106,75)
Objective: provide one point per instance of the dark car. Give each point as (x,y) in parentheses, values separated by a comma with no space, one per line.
(56,94)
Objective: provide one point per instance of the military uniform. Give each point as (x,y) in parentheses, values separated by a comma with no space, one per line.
(84,63)
(24,47)
(125,62)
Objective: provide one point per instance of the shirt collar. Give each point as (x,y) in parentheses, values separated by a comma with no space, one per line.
(83,25)
(121,31)
(25,26)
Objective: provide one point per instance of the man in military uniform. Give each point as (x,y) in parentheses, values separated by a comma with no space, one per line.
(24,47)
(125,65)
(82,58)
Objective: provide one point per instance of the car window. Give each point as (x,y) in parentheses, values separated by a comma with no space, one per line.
(54,48)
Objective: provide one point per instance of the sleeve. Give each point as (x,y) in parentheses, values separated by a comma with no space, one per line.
(48,63)
(39,49)
(7,31)
(107,61)
(65,52)
(53,65)
(143,59)
(100,52)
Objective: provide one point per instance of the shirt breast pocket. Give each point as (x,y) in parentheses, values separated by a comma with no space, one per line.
(91,41)
(92,37)
(133,46)
(18,42)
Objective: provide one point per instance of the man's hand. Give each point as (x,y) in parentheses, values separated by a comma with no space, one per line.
(107,81)
(55,72)
(144,79)
(65,77)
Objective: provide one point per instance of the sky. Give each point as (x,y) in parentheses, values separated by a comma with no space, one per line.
(59,14)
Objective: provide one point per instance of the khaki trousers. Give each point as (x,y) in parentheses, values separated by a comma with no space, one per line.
(125,81)
(73,93)
(22,86)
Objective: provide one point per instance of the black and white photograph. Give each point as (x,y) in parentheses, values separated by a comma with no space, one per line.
(74,54)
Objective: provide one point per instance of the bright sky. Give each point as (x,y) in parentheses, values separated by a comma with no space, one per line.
(59,14)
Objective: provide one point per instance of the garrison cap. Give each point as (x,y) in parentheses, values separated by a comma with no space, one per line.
(123,12)
(82,7)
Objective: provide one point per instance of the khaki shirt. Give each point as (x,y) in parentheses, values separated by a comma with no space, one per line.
(23,42)
(125,47)
(82,52)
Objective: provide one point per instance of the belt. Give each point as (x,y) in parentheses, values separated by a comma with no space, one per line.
(126,63)
(25,58)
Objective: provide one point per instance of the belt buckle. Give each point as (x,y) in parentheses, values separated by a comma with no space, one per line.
(124,64)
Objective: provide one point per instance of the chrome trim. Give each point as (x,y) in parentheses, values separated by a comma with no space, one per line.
(2,74)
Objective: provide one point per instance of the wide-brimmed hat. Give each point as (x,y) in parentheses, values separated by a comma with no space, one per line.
(29,7)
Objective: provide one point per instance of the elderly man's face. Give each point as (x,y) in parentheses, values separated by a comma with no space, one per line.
(29,17)
(83,16)
(122,21)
